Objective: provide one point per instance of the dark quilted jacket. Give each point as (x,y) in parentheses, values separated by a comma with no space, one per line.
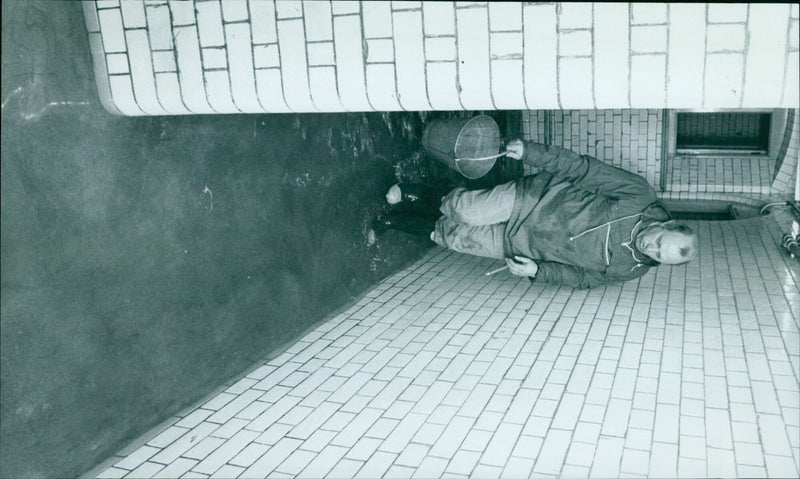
(576,218)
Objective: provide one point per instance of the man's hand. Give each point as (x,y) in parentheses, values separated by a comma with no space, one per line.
(522,266)
(515,149)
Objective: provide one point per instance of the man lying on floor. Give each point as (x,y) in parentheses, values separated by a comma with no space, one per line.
(579,222)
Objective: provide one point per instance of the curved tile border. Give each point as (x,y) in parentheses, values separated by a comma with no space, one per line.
(155,57)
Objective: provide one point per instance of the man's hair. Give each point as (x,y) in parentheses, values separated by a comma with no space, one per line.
(689,252)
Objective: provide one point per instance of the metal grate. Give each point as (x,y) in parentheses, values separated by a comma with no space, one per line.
(745,132)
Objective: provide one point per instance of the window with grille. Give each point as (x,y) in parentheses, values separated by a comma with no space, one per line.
(695,139)
(736,133)
(724,133)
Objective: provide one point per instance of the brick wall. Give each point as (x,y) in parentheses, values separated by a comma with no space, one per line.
(155,57)
(629,139)
(632,140)
(785,175)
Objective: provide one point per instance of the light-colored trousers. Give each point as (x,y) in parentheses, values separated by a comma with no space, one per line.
(474,222)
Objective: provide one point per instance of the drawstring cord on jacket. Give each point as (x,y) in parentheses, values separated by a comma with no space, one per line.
(630,242)
(608,223)
(608,233)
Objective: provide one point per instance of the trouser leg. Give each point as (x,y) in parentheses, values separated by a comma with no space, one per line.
(480,207)
(481,240)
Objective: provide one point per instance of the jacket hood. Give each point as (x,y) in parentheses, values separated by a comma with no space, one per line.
(656,211)
(653,212)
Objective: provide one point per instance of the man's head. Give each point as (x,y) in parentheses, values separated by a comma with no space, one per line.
(668,242)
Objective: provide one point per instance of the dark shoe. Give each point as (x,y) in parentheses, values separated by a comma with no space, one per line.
(413,192)
(405,221)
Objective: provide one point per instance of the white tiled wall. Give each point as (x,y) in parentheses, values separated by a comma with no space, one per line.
(156,57)
(629,139)
(632,140)
(785,174)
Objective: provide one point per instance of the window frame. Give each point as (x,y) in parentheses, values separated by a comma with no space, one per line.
(776,130)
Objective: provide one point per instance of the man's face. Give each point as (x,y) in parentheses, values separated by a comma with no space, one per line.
(662,245)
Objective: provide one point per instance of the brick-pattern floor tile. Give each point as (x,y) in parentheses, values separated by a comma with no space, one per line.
(441,372)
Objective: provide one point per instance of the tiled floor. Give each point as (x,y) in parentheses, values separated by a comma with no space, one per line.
(441,371)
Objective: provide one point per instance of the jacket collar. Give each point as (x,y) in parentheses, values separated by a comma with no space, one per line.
(655,212)
(638,256)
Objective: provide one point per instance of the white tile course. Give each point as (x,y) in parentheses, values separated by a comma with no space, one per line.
(227,430)
(142,73)
(505,16)
(318,21)
(767,39)
(723,79)
(287,9)
(263,15)
(209,24)
(350,63)
(410,58)
(553,452)
(725,37)
(648,39)
(607,457)
(575,43)
(574,15)
(439,18)
(218,89)
(117,63)
(727,13)
(440,48)
(146,470)
(294,67)
(648,13)
(506,45)
(214,58)
(111,29)
(164,62)
(575,81)
(159,27)
(473,53)
(507,83)
(524,40)
(647,81)
(611,55)
(234,10)
(133,14)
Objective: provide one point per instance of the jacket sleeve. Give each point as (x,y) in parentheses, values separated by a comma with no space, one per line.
(568,275)
(587,173)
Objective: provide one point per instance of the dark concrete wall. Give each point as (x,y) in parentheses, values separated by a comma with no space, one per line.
(147,260)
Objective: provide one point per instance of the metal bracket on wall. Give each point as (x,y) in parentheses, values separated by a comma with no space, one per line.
(666,157)
(548,127)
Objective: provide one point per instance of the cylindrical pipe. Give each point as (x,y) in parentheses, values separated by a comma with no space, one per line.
(790,243)
(794,249)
